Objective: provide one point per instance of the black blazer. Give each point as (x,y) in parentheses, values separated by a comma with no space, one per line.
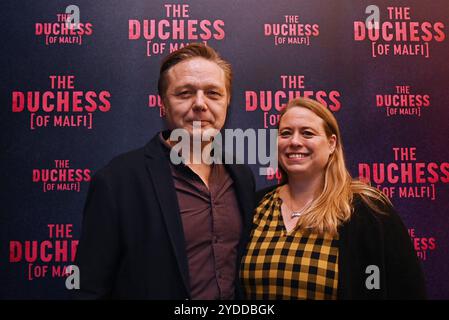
(132,242)
(369,238)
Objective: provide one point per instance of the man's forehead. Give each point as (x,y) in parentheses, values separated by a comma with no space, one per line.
(196,69)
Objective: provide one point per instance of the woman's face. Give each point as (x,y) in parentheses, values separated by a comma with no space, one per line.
(303,147)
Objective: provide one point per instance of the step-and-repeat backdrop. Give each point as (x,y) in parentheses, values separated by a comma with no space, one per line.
(71,99)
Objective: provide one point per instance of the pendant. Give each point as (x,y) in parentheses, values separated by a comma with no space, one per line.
(296,214)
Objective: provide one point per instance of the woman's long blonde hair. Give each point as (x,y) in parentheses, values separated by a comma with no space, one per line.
(335,203)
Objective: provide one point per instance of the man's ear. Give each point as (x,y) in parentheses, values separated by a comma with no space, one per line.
(228,100)
(163,106)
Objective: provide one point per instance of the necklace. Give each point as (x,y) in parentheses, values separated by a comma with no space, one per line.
(298,213)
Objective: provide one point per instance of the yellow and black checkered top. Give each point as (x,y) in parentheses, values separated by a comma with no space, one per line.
(281,265)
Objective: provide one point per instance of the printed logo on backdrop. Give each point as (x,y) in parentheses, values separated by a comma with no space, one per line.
(267,104)
(46,258)
(271,102)
(291,31)
(406,176)
(154,100)
(64,105)
(402,102)
(396,33)
(66,29)
(423,245)
(61,177)
(178,29)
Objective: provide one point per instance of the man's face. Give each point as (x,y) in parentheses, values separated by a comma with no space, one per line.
(196,91)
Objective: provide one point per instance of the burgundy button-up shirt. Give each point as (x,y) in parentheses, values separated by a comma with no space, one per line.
(212,226)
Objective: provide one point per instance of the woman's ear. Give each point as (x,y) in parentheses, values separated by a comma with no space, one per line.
(332,143)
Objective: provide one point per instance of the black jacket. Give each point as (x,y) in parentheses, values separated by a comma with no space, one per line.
(132,242)
(369,238)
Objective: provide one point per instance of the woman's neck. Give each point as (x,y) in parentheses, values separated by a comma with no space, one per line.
(302,191)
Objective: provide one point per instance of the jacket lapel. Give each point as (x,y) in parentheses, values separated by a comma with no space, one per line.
(245,196)
(161,176)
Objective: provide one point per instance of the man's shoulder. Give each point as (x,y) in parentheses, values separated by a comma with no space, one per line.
(122,166)
(240,169)
(261,193)
(127,159)
(129,162)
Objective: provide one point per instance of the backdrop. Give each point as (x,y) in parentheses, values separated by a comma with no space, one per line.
(73,99)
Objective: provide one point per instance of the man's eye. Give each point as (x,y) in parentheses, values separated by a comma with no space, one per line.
(184,93)
(214,94)
(285,133)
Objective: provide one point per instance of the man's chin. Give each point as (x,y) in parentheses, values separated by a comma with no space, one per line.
(206,129)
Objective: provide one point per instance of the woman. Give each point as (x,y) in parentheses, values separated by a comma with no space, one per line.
(320,234)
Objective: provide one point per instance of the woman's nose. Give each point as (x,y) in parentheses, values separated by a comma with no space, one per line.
(296,140)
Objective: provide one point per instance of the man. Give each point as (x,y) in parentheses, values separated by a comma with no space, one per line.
(156,230)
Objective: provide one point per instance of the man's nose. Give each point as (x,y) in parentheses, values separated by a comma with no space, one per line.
(199,104)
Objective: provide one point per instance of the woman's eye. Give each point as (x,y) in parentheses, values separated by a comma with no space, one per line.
(307,134)
(285,133)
